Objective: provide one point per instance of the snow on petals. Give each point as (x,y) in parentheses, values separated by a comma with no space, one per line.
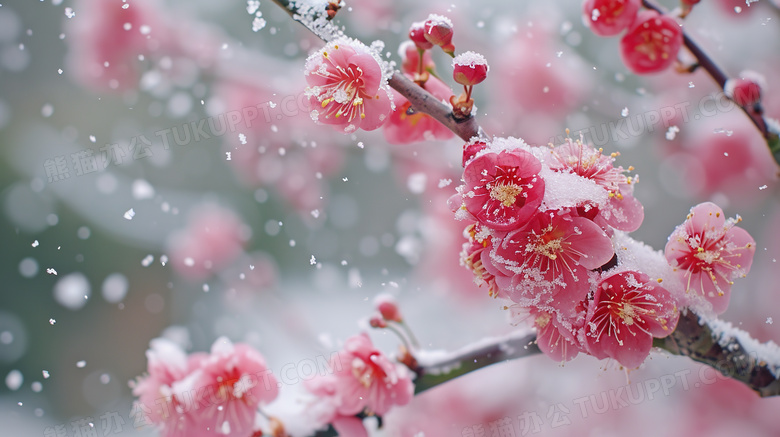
(503,190)
(626,312)
(347,86)
(364,381)
(203,395)
(709,252)
(622,211)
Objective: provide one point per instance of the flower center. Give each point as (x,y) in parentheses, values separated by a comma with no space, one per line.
(708,256)
(506,193)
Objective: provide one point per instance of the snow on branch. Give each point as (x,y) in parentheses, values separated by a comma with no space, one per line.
(731,351)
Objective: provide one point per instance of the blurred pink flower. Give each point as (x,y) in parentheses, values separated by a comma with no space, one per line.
(503,190)
(364,381)
(651,43)
(609,17)
(405,126)
(237,381)
(347,88)
(107,39)
(214,237)
(156,404)
(709,252)
(626,312)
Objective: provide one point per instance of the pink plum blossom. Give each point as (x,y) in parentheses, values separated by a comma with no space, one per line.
(364,381)
(503,190)
(107,40)
(553,252)
(709,252)
(554,338)
(477,246)
(622,211)
(156,404)
(347,88)
(626,312)
(406,126)
(238,382)
(203,395)
(410,57)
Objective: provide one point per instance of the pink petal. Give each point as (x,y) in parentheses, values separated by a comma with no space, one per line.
(591,241)
(376,109)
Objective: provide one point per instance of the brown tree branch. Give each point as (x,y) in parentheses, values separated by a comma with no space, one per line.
(732,352)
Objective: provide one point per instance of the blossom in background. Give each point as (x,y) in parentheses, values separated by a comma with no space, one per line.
(609,17)
(502,190)
(364,381)
(167,364)
(709,252)
(203,395)
(406,126)
(107,40)
(651,43)
(214,237)
(238,381)
(347,88)
(626,313)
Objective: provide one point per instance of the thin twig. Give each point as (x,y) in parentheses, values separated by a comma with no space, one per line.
(421,100)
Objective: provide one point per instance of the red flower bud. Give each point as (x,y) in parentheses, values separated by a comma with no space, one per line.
(417,35)
(746,90)
(387,306)
(469,68)
(438,31)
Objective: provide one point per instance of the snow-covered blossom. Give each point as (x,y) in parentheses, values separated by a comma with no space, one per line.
(550,254)
(709,252)
(502,190)
(203,395)
(438,31)
(347,86)
(364,381)
(626,313)
(622,211)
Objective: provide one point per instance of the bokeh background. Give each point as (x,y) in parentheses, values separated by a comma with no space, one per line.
(141,196)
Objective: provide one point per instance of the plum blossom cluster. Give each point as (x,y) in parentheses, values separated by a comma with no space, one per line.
(203,394)
(547,233)
(366,384)
(652,40)
(231,391)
